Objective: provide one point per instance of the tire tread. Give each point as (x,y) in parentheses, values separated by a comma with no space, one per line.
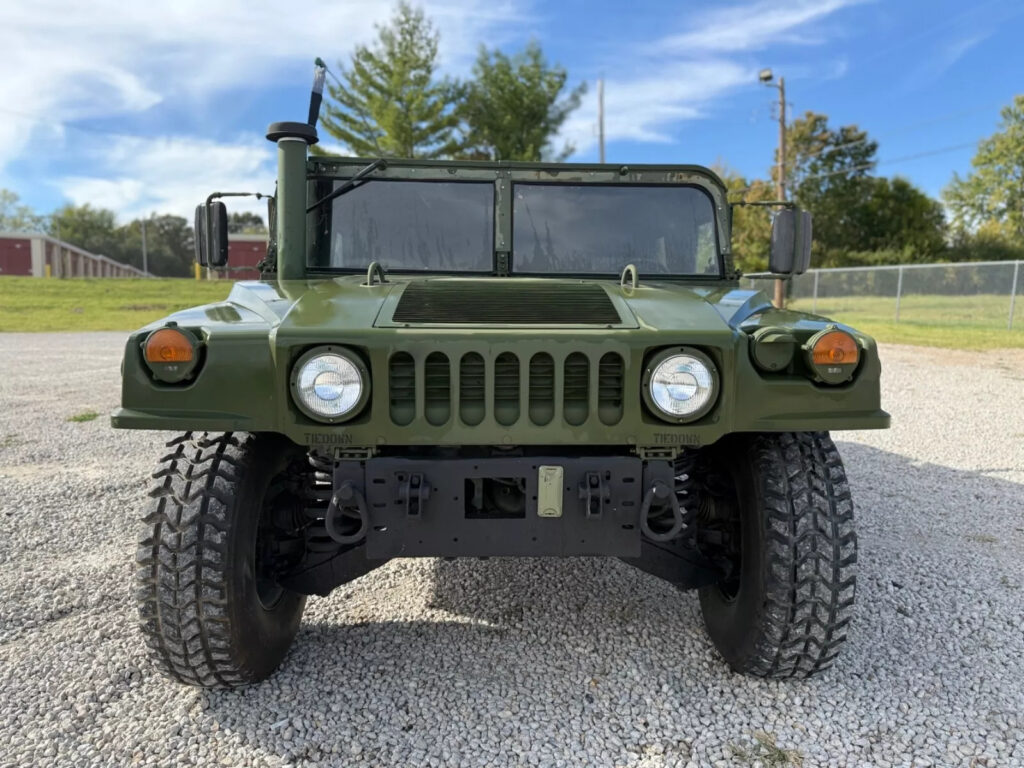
(810,573)
(182,565)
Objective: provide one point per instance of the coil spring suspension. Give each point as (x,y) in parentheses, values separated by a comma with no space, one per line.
(705,492)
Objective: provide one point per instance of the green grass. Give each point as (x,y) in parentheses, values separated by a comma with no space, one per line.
(78,418)
(956,322)
(100,304)
(37,304)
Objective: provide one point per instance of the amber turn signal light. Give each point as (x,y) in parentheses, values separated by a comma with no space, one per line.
(835,348)
(169,345)
(832,355)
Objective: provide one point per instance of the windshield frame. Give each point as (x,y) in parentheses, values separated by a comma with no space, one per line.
(324,172)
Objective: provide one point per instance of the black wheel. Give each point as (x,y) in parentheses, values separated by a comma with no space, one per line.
(211,611)
(784,610)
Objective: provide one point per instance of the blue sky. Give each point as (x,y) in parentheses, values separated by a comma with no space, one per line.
(148,107)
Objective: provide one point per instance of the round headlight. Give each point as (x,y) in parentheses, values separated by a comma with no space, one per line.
(682,385)
(329,385)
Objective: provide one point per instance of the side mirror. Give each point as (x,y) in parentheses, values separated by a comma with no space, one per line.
(791,242)
(212,235)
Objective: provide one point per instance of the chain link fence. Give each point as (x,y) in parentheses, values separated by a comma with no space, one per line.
(984,294)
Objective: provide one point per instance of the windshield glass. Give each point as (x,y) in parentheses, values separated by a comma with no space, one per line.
(439,226)
(591,229)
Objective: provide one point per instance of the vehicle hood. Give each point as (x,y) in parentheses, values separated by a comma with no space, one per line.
(346,303)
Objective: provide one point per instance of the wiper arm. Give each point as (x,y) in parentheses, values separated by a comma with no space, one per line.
(379,164)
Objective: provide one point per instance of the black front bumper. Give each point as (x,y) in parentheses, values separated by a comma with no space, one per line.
(425,507)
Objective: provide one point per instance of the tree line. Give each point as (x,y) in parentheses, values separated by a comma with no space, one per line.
(169,239)
(861,219)
(390,100)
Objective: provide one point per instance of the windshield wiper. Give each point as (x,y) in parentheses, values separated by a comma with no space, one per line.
(379,164)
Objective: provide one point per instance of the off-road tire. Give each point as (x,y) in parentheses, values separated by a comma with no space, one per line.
(788,614)
(199,608)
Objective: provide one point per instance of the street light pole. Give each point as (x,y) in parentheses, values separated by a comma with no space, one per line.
(780,285)
(600,117)
(766,76)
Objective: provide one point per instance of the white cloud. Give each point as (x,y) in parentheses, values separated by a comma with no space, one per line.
(137,176)
(645,108)
(753,26)
(681,75)
(67,60)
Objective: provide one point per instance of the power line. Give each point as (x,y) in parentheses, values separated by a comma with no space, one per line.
(905,158)
(869,166)
(908,128)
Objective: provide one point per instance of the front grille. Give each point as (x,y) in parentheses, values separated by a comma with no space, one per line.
(437,383)
(402,386)
(575,400)
(472,389)
(610,381)
(508,389)
(542,388)
(505,302)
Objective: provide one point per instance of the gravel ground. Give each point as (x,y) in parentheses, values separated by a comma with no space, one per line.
(523,662)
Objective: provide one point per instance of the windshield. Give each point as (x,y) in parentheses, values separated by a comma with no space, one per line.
(429,226)
(591,229)
(570,229)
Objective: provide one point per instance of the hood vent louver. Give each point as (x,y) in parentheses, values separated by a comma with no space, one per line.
(505,302)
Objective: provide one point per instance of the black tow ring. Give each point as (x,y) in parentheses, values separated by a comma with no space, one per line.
(660,490)
(344,496)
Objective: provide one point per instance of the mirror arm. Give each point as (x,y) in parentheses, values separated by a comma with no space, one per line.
(766,203)
(768,275)
(209,222)
(215,195)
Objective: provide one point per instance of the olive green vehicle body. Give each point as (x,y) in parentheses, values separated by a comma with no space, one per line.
(250,342)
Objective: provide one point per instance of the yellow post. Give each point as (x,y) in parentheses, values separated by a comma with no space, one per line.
(197,269)
(49,270)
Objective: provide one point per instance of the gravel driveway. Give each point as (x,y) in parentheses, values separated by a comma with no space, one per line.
(523,662)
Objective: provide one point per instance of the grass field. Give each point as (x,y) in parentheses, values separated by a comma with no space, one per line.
(975,322)
(84,304)
(33,304)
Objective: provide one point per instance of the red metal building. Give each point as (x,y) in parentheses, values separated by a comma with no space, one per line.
(32,254)
(244,253)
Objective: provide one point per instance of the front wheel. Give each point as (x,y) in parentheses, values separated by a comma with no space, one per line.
(785,609)
(211,611)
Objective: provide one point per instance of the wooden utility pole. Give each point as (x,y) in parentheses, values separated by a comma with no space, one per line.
(780,182)
(145,255)
(600,116)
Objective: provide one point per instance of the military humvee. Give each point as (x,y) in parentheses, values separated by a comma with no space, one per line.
(465,359)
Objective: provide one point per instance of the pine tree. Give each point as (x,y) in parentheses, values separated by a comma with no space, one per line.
(515,106)
(391,104)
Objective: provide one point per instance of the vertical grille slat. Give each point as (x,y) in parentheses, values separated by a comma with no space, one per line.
(402,388)
(542,389)
(576,389)
(472,388)
(506,389)
(437,386)
(610,388)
